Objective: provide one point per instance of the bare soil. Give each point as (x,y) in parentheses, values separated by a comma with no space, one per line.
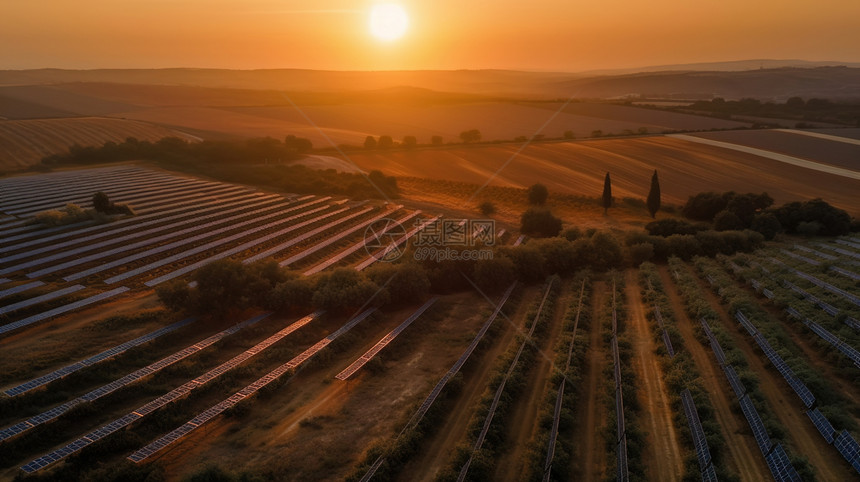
(743,454)
(589,457)
(662,457)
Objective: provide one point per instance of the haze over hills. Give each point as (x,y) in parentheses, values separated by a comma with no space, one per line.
(730,80)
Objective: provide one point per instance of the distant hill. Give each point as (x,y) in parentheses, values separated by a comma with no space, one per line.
(731,80)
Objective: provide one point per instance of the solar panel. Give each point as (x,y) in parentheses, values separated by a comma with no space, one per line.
(62,309)
(623,474)
(382,343)
(700,443)
(780,467)
(382,253)
(756,425)
(829,287)
(709,474)
(734,381)
(848,447)
(169,397)
(40,299)
(800,258)
(844,272)
(822,424)
(668,342)
(212,412)
(743,320)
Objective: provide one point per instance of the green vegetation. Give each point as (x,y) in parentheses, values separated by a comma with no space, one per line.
(607,194)
(653,201)
(537,194)
(540,223)
(819,110)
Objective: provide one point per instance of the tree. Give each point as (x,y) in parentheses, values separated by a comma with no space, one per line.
(409,142)
(346,289)
(767,224)
(540,223)
(654,195)
(727,221)
(436,140)
(487,208)
(369,142)
(495,274)
(537,194)
(472,135)
(101,203)
(385,142)
(569,135)
(607,193)
(297,144)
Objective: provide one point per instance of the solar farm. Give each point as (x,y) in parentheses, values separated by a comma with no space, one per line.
(731,367)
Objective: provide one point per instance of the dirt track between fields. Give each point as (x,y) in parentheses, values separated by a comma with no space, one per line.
(522,421)
(780,400)
(662,456)
(589,453)
(743,454)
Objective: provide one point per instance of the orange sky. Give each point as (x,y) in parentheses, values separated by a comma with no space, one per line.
(560,35)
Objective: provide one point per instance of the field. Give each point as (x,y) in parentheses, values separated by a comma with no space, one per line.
(504,410)
(578,168)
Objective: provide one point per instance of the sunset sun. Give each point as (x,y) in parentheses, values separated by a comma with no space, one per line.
(388,21)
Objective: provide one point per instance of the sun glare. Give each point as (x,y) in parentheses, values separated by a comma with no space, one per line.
(388,21)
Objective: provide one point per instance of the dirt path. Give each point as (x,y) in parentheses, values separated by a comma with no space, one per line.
(522,420)
(437,449)
(662,455)
(743,455)
(589,453)
(801,435)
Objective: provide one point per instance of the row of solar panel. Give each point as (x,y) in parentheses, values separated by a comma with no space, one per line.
(700,443)
(383,342)
(829,287)
(212,412)
(340,256)
(98,358)
(61,309)
(787,373)
(780,467)
(383,252)
(848,448)
(715,345)
(174,394)
(133,377)
(841,251)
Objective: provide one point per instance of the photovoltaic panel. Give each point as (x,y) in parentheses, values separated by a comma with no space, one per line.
(745,322)
(700,443)
(822,424)
(756,425)
(848,447)
(734,381)
(780,467)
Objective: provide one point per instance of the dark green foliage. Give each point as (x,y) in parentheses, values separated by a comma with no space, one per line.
(487,208)
(369,142)
(406,282)
(174,294)
(472,135)
(409,142)
(291,296)
(346,289)
(297,144)
(833,221)
(102,204)
(727,221)
(494,275)
(670,226)
(607,193)
(385,142)
(705,205)
(537,194)
(767,224)
(540,223)
(653,201)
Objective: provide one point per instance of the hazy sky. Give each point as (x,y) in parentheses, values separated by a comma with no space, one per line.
(560,35)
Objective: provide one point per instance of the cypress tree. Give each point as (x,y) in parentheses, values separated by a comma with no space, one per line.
(607,193)
(654,195)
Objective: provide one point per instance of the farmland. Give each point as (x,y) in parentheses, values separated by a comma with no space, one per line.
(698,368)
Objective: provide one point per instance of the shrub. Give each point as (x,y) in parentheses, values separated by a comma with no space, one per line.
(540,223)
(487,208)
(670,226)
(346,289)
(494,275)
(537,194)
(727,221)
(767,224)
(641,252)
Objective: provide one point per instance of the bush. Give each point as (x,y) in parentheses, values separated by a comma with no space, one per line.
(537,194)
(487,208)
(291,296)
(641,252)
(346,289)
(669,226)
(540,223)
(494,275)
(767,224)
(727,221)
(406,282)
(808,228)
(832,221)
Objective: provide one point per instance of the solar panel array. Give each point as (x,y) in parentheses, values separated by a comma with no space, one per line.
(757,426)
(145,235)
(840,345)
(336,238)
(848,447)
(357,246)
(715,345)
(841,251)
(520,240)
(20,288)
(93,360)
(745,322)
(182,431)
(787,373)
(383,342)
(822,424)
(666,340)
(491,412)
(829,287)
(735,381)
(61,309)
(780,467)
(132,377)
(700,442)
(799,257)
(230,252)
(40,299)
(844,272)
(845,242)
(382,253)
(816,253)
(163,400)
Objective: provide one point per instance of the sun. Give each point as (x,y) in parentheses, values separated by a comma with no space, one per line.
(388,21)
